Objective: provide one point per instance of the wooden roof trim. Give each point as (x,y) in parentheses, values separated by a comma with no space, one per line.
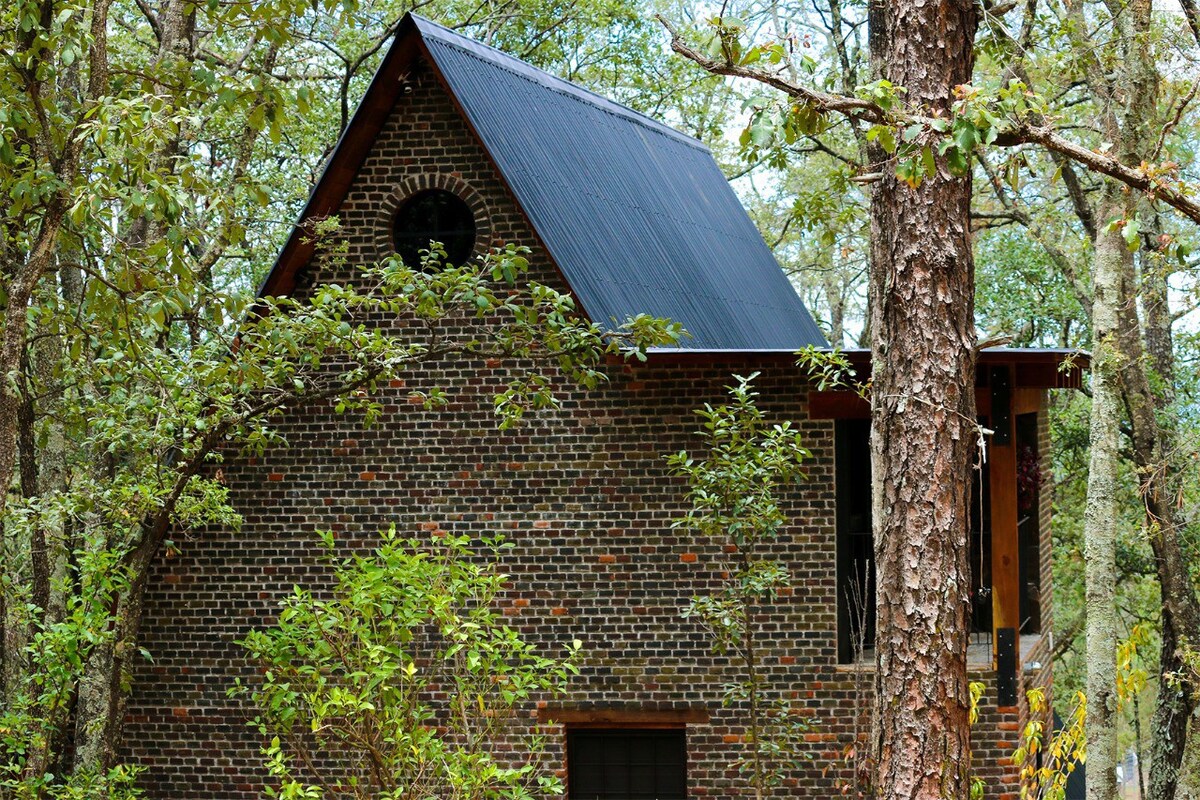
(1035,367)
(355,144)
(346,160)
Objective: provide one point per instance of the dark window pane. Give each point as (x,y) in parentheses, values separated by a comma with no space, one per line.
(856,550)
(627,765)
(855,544)
(590,775)
(434,215)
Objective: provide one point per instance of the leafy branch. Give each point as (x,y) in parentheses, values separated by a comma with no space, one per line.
(733,492)
(1009,115)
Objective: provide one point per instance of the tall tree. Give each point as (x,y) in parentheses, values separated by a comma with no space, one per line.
(1120,159)
(133,177)
(1113,53)
(923,430)
(922,333)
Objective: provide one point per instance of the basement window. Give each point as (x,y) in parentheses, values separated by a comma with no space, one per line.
(434,215)
(626,764)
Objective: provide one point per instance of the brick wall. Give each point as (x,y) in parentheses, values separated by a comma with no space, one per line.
(582,492)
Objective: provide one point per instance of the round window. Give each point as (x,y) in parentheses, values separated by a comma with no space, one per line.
(434,215)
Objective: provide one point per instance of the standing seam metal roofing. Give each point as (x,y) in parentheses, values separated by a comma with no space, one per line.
(637,215)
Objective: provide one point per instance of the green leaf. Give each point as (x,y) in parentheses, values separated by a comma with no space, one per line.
(1131,232)
(965,136)
(957,161)
(887,140)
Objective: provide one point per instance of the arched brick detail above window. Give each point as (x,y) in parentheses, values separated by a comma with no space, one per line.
(419,183)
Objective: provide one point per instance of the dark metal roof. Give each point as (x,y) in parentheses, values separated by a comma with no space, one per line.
(637,215)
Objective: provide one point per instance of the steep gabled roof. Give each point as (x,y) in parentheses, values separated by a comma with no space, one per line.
(636,215)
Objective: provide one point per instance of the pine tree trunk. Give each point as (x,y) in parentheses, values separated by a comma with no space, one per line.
(923,420)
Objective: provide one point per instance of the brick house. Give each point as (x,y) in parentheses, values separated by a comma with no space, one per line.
(458,142)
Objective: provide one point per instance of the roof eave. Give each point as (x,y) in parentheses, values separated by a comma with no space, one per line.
(346,159)
(1048,368)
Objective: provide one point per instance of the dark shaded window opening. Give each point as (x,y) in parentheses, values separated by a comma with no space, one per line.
(856,548)
(979,497)
(979,546)
(1029,538)
(855,544)
(434,215)
(627,764)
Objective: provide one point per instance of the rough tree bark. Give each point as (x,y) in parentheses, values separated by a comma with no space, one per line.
(923,428)
(1154,420)
(1127,350)
(1147,376)
(25,271)
(1111,260)
(1100,513)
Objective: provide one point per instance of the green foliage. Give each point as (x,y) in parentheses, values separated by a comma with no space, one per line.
(830,369)
(402,681)
(58,653)
(1021,292)
(734,489)
(1047,761)
(911,137)
(152,158)
(734,496)
(1047,758)
(156,398)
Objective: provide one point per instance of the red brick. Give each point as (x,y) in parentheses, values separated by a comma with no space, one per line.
(583,487)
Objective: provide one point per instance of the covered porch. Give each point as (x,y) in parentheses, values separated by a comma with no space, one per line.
(1009,508)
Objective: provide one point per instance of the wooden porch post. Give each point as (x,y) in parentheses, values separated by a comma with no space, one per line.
(1002,465)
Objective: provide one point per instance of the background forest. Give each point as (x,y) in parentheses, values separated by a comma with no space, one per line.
(154,155)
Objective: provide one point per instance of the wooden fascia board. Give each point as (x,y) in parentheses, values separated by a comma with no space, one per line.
(345,162)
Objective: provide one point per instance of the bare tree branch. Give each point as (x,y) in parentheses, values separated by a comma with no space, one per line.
(821,101)
(1141,178)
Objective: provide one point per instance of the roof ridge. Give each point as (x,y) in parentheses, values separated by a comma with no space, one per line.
(516,66)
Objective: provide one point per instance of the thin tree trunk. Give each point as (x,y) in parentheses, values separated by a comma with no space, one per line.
(27,272)
(1189,774)
(1152,415)
(100,705)
(1150,402)
(832,285)
(1100,513)
(923,430)
(1169,723)
(1137,747)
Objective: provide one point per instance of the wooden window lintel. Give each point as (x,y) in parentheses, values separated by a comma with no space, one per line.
(623,717)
